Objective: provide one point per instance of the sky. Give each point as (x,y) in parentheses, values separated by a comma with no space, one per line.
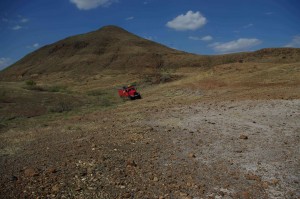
(196,26)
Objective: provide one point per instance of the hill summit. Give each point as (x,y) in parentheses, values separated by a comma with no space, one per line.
(110,47)
(113,48)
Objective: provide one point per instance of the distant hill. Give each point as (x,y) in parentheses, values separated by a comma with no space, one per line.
(113,48)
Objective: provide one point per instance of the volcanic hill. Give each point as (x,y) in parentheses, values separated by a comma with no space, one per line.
(113,48)
(110,47)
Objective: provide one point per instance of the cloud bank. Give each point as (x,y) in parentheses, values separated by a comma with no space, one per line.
(189,21)
(4,62)
(90,4)
(205,38)
(236,45)
(295,42)
(17,27)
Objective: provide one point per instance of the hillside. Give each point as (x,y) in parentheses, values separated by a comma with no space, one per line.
(107,48)
(113,48)
(224,126)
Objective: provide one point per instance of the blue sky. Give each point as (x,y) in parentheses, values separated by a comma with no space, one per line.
(196,26)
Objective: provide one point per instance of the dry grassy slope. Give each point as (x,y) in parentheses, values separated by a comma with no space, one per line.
(110,47)
(114,49)
(237,81)
(185,133)
(230,82)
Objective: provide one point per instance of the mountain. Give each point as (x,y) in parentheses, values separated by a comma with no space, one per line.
(113,48)
(110,47)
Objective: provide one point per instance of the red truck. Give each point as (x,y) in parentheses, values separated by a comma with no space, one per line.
(129,92)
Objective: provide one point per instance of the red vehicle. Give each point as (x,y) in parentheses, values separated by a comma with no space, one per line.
(129,92)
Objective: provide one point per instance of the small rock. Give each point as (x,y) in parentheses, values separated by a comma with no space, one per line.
(127,195)
(14,178)
(252,177)
(192,155)
(83,172)
(122,187)
(78,189)
(221,193)
(30,172)
(243,137)
(55,188)
(155,179)
(92,188)
(274,182)
(131,163)
(51,170)
(183,194)
(238,151)
(90,170)
(245,195)
(265,185)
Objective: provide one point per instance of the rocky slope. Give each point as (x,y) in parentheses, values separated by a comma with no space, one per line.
(113,48)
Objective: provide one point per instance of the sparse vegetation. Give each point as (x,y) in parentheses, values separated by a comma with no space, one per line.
(105,102)
(62,106)
(3,96)
(30,83)
(56,88)
(96,92)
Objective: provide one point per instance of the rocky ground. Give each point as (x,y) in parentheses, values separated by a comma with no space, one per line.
(142,149)
(231,131)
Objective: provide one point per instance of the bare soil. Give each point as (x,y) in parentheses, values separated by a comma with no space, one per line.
(224,133)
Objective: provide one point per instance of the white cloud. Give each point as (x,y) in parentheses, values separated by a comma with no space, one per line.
(149,38)
(194,38)
(24,20)
(129,18)
(295,42)
(17,27)
(190,21)
(236,45)
(90,4)
(4,62)
(5,20)
(249,25)
(268,13)
(33,46)
(205,38)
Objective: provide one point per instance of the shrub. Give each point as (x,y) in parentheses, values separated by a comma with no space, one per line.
(30,83)
(105,102)
(166,77)
(55,88)
(3,96)
(35,88)
(96,93)
(60,107)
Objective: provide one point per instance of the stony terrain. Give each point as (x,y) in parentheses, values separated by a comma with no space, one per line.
(190,138)
(227,128)
(230,149)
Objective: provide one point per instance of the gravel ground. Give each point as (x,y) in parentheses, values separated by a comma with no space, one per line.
(228,149)
(260,139)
